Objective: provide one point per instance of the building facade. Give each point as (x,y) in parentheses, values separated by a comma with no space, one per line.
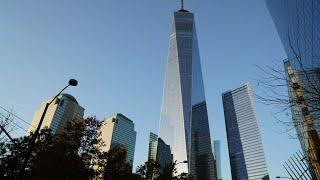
(159,151)
(298,26)
(305,107)
(184,120)
(247,160)
(153,143)
(217,157)
(64,109)
(118,130)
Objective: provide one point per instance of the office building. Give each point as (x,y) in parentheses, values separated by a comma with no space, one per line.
(159,151)
(184,120)
(217,157)
(64,109)
(153,143)
(304,103)
(247,160)
(118,131)
(298,26)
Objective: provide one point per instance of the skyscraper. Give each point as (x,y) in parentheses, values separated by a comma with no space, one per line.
(298,25)
(217,157)
(64,109)
(246,154)
(153,143)
(118,130)
(304,105)
(159,151)
(183,119)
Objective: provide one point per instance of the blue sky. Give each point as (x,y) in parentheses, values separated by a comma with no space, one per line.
(117,51)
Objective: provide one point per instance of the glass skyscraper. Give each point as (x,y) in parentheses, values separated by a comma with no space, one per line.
(246,153)
(298,26)
(184,120)
(153,143)
(118,130)
(159,151)
(64,109)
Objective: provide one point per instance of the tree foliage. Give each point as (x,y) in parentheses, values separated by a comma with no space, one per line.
(75,154)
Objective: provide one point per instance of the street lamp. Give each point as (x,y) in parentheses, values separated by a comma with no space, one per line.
(72,82)
(279,177)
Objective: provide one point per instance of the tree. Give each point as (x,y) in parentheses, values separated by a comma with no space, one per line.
(185,176)
(296,88)
(62,156)
(150,169)
(116,166)
(6,122)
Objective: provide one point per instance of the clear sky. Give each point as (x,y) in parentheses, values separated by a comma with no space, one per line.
(117,51)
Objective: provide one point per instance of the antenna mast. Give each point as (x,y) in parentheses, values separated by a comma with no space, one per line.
(181,4)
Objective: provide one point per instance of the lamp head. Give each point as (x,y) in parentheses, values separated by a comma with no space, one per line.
(73,82)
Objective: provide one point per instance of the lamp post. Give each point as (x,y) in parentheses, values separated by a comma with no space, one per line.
(279,177)
(72,82)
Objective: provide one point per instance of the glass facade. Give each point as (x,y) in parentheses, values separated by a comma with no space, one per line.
(184,120)
(305,106)
(164,155)
(298,25)
(246,153)
(217,156)
(64,109)
(153,143)
(159,151)
(118,130)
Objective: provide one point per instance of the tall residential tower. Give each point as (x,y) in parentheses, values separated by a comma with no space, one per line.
(184,119)
(246,154)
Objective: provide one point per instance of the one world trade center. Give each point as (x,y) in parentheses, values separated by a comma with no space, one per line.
(184,119)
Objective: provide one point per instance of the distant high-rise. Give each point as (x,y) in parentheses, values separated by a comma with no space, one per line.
(246,153)
(64,109)
(184,119)
(217,157)
(118,130)
(153,143)
(159,151)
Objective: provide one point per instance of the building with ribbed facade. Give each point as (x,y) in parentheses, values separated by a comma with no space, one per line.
(118,131)
(247,159)
(64,109)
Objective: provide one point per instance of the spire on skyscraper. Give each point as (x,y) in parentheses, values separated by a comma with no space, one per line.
(181,4)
